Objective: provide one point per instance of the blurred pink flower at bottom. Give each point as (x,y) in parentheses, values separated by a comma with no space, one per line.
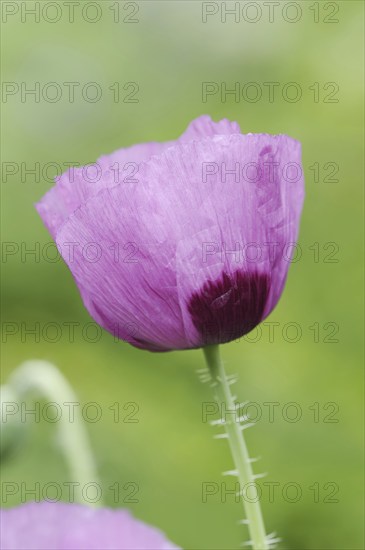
(63,526)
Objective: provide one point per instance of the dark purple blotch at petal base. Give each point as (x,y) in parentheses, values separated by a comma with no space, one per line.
(226,309)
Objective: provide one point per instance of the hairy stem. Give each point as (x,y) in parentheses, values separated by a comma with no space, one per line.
(238,447)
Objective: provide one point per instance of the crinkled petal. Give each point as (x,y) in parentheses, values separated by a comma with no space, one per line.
(240,201)
(61,526)
(77,185)
(204,127)
(130,288)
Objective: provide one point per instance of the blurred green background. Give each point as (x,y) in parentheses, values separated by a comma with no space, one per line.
(170,452)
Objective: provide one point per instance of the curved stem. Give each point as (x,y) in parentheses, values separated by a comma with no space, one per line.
(238,447)
(45,380)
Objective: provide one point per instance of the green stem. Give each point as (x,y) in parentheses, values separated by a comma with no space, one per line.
(44,380)
(238,447)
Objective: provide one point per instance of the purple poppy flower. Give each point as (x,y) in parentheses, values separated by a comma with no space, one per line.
(61,526)
(192,247)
